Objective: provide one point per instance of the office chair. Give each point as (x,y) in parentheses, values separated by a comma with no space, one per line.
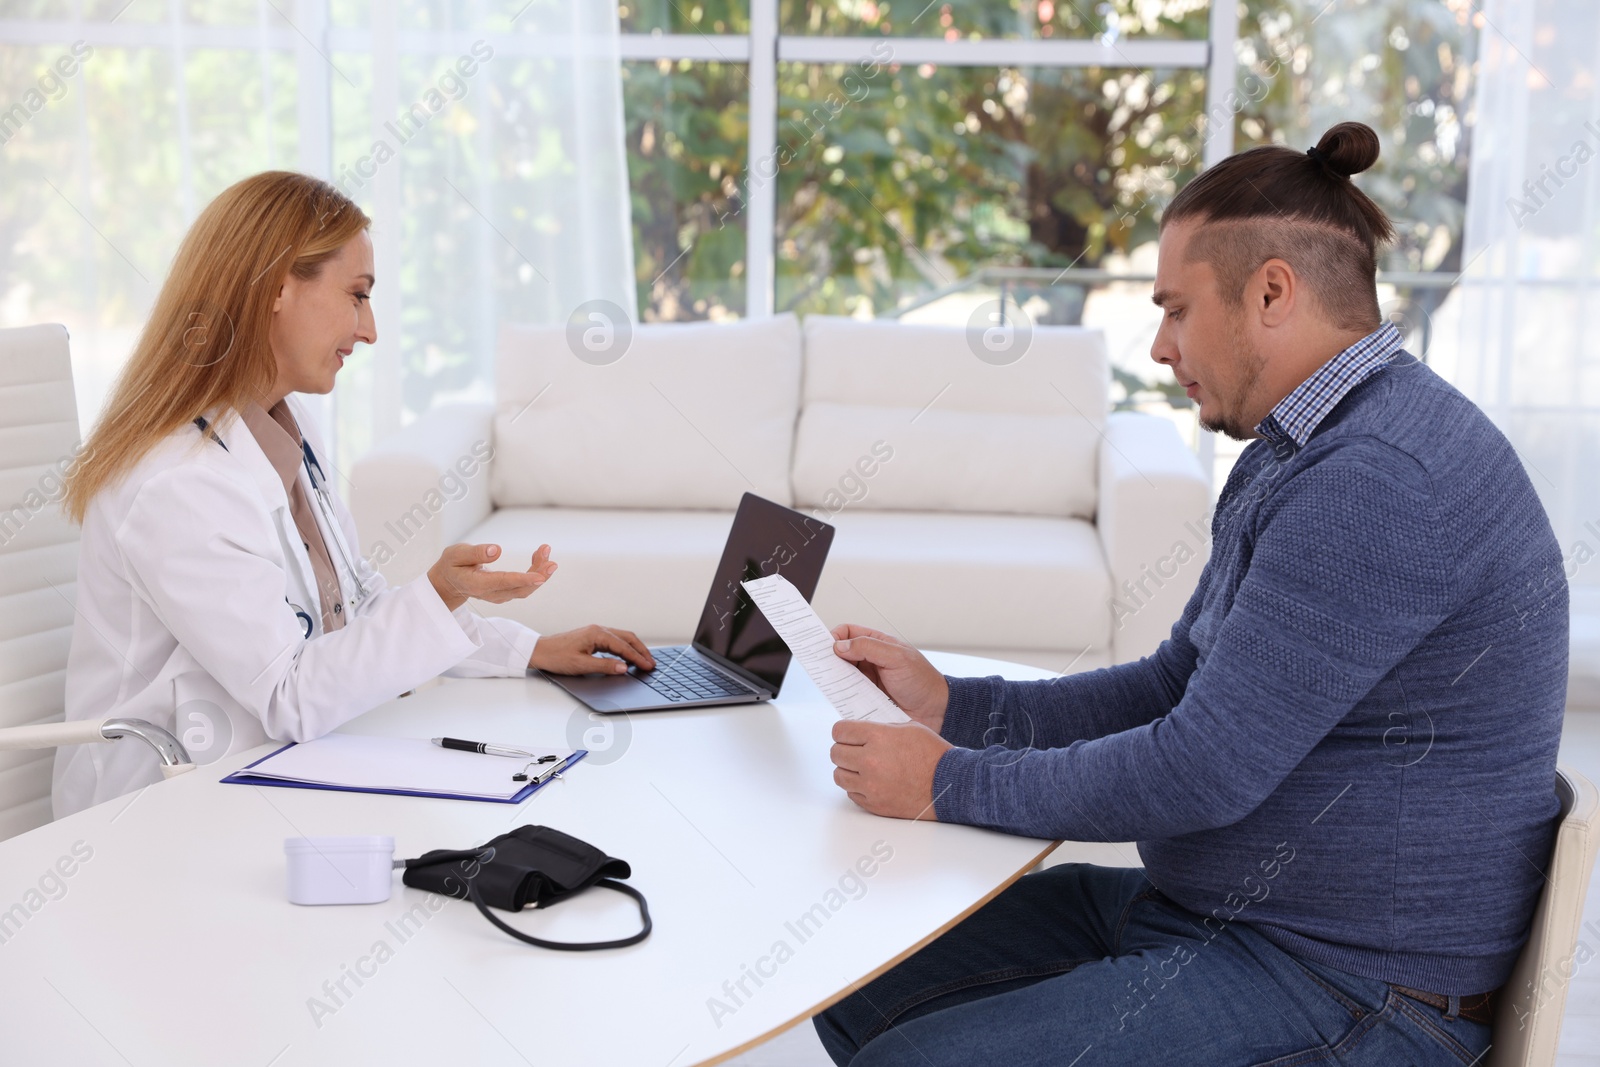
(38,575)
(1527,1024)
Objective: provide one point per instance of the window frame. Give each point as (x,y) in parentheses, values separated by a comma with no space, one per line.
(307,33)
(764,47)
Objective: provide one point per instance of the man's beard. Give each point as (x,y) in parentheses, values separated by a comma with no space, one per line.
(1229,419)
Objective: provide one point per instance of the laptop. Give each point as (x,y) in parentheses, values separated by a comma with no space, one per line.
(736,656)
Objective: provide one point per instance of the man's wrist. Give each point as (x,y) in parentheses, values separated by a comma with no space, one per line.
(944,706)
(968,720)
(952,784)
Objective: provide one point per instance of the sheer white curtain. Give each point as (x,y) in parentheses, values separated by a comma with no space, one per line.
(485,137)
(490,155)
(1528,347)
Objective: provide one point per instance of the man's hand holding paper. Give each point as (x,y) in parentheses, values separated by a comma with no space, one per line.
(898,669)
(850,692)
(884,756)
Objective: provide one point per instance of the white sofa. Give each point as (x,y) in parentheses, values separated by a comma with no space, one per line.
(994,510)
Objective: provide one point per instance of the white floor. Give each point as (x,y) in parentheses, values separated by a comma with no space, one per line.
(1580,1035)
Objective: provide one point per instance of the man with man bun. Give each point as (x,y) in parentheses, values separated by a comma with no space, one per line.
(1338,768)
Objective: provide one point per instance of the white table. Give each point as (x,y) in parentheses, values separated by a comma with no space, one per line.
(172,943)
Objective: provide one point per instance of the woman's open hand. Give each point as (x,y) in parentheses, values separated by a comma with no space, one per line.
(459,575)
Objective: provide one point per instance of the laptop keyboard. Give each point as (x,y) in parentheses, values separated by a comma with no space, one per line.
(681,676)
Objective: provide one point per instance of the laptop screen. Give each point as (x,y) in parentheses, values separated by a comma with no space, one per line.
(766,538)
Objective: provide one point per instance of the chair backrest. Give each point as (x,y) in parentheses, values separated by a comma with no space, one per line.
(38,557)
(1527,1023)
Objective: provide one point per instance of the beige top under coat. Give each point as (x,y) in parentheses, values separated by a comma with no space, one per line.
(279,437)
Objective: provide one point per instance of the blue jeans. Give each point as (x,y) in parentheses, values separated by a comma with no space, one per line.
(1085,966)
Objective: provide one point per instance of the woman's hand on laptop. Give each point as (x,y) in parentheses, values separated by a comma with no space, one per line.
(573,652)
(898,669)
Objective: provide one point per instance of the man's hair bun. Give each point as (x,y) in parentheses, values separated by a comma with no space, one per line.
(1348,148)
(1275,201)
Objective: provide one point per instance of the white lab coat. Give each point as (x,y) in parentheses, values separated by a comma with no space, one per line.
(187,570)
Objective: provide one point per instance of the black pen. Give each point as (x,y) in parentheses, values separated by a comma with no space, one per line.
(480,746)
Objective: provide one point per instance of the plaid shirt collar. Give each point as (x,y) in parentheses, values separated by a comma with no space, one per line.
(1290,423)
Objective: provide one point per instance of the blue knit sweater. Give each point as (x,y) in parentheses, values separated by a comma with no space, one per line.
(1349,740)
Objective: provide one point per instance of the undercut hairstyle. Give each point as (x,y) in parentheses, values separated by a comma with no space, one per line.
(1274,202)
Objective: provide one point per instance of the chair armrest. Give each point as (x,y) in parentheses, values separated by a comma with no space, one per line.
(423,488)
(90,731)
(52,734)
(1154,528)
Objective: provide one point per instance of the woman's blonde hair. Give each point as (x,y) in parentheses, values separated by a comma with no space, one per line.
(206,343)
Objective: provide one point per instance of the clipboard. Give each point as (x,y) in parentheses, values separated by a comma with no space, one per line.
(538,779)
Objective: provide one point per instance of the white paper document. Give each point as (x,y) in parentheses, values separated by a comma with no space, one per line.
(416,765)
(851,693)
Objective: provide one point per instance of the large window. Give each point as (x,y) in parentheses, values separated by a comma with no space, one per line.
(893,148)
(926,157)
(908,158)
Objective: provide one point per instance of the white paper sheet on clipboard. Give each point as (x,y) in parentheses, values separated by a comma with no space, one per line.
(403,764)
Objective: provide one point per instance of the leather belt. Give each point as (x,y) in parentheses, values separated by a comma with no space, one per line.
(1478,1008)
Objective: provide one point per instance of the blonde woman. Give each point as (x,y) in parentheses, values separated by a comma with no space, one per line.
(218,568)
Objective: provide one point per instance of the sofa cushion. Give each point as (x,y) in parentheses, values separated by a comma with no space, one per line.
(902,459)
(940,580)
(691,416)
(954,421)
(949,580)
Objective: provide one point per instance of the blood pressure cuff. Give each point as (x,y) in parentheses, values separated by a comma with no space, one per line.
(530,865)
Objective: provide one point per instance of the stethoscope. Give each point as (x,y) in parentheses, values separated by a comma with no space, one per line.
(330,523)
